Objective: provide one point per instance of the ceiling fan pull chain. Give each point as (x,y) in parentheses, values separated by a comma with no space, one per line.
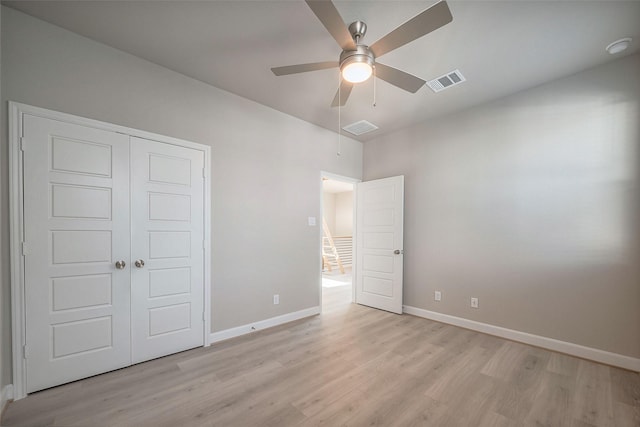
(339,113)
(374,85)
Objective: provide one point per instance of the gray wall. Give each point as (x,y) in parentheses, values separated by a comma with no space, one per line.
(329,211)
(266,165)
(531,204)
(344,213)
(4,325)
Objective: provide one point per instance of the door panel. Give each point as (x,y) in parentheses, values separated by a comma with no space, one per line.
(167,234)
(379,234)
(76,201)
(76,221)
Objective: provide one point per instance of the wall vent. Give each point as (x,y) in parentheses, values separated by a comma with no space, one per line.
(446,81)
(358,128)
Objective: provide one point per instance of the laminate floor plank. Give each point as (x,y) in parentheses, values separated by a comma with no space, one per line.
(429,414)
(552,403)
(338,412)
(325,395)
(350,366)
(625,387)
(264,396)
(562,364)
(508,357)
(625,415)
(593,397)
(158,406)
(457,376)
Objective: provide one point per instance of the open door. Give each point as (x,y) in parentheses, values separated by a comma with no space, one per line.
(379,243)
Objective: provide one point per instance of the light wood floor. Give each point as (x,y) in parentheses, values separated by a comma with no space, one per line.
(350,366)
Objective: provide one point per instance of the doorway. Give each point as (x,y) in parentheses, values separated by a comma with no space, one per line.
(372,275)
(337,225)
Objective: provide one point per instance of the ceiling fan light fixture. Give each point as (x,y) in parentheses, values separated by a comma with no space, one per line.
(356,72)
(356,66)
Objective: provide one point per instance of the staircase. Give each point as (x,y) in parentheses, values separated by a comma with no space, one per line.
(329,251)
(344,247)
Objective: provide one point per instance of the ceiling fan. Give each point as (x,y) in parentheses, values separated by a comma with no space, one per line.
(357,60)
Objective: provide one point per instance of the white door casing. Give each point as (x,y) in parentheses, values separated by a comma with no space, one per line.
(379,243)
(76,222)
(167,187)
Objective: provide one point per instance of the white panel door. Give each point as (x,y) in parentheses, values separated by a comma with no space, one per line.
(167,235)
(76,226)
(379,243)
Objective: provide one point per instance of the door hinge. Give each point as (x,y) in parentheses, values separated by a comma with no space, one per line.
(25,352)
(204,244)
(25,250)
(22,143)
(203,319)
(204,172)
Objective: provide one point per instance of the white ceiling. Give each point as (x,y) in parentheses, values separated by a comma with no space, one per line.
(501,47)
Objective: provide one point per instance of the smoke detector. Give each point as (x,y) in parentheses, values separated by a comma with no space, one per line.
(619,45)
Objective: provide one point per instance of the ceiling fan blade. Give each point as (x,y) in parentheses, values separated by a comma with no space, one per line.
(431,19)
(399,78)
(343,92)
(303,68)
(332,21)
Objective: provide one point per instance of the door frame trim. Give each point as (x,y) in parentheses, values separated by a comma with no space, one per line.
(16,223)
(353,181)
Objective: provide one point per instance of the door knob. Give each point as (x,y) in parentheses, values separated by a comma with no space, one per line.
(120,265)
(139,263)
(398,252)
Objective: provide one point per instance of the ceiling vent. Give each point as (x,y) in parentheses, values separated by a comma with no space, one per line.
(446,81)
(359,128)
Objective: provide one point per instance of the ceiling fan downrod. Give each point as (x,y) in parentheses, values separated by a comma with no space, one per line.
(358,29)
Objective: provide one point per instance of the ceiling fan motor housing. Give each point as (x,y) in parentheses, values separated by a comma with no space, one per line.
(361,54)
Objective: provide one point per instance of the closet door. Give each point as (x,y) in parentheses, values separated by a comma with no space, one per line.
(76,227)
(167,249)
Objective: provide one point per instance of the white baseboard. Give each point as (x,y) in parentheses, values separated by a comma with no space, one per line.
(262,324)
(608,358)
(5,396)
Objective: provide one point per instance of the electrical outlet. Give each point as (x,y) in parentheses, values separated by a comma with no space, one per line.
(437,296)
(276,299)
(474,302)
